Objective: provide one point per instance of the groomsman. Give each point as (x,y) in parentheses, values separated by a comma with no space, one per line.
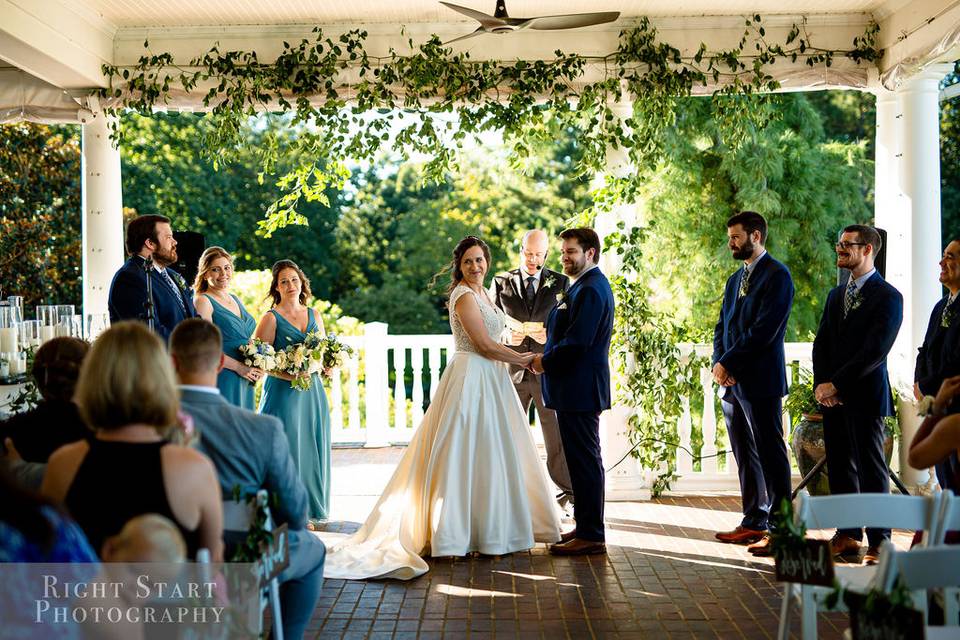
(859,324)
(749,366)
(576,382)
(526,295)
(939,356)
(150,238)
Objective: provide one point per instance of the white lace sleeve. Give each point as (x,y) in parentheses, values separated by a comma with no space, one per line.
(455,295)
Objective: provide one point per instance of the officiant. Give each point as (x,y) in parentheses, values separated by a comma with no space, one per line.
(526,295)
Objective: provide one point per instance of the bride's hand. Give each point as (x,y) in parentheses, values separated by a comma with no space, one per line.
(526,358)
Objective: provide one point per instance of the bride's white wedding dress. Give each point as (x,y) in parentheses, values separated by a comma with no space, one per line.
(470,480)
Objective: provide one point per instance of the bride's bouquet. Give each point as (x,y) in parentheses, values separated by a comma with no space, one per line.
(259,354)
(302,360)
(334,352)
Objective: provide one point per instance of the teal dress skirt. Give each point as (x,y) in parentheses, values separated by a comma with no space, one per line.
(306,421)
(236,332)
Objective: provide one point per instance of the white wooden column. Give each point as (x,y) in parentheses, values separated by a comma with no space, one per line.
(907,174)
(626,481)
(102,205)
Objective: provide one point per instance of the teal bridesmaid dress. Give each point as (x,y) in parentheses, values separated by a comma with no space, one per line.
(236,331)
(306,421)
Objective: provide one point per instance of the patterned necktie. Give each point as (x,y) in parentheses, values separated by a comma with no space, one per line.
(849,297)
(744,282)
(946,316)
(175,289)
(530,292)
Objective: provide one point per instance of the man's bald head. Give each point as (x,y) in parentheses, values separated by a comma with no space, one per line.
(533,251)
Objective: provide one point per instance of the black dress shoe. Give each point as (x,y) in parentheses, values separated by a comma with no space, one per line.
(578,547)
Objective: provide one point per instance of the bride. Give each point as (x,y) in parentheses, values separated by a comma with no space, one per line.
(471,479)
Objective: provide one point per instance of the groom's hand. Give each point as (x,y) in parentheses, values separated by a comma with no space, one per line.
(536,365)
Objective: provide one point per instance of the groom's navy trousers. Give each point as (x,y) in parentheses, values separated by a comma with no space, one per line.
(576,384)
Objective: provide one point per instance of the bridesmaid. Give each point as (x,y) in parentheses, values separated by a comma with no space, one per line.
(216,304)
(305,414)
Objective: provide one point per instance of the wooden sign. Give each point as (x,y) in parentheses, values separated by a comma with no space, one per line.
(810,564)
(896,623)
(275,555)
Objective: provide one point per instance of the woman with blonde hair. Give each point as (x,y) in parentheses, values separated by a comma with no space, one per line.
(216,304)
(128,395)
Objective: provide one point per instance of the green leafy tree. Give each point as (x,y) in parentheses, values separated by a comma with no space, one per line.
(40,213)
(950,162)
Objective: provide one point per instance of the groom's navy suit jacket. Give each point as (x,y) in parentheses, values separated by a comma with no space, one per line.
(128,293)
(576,357)
(748,338)
(852,352)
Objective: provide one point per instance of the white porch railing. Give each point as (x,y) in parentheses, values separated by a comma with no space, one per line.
(369,409)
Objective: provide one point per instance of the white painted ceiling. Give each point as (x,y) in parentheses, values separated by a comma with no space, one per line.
(178,13)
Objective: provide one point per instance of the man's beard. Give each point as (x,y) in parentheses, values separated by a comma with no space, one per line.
(744,251)
(165,258)
(575,269)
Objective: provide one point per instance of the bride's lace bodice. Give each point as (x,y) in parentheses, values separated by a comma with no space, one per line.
(493,319)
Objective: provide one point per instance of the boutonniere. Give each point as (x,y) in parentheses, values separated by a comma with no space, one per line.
(181,283)
(857,301)
(549,282)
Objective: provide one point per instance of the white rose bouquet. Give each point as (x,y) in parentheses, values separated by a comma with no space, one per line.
(302,360)
(334,352)
(259,354)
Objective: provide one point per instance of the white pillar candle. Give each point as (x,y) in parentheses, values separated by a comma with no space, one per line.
(8,340)
(4,369)
(47,333)
(18,365)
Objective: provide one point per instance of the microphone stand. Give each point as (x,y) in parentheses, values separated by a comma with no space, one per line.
(148,303)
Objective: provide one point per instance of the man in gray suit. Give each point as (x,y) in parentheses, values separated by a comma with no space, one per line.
(250,451)
(526,295)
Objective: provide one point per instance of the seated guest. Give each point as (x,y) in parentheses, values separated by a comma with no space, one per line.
(937,442)
(33,530)
(250,451)
(55,421)
(127,394)
(146,538)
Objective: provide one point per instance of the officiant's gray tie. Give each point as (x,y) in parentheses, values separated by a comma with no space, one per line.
(175,289)
(530,293)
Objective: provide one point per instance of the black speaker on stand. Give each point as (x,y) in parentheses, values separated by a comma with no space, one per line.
(190,246)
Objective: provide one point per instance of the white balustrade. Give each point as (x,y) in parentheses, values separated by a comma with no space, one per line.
(366,419)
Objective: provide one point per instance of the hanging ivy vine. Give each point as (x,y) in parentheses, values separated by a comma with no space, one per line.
(346,104)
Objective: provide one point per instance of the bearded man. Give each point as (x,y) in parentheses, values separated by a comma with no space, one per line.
(749,366)
(152,250)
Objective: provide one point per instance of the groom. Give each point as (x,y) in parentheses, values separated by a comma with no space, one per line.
(576,382)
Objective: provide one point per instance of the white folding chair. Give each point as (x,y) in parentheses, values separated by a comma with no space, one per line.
(850,511)
(930,568)
(948,517)
(238,517)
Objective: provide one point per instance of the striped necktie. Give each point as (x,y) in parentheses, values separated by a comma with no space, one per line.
(850,297)
(175,289)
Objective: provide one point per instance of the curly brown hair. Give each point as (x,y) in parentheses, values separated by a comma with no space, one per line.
(453,267)
(279,266)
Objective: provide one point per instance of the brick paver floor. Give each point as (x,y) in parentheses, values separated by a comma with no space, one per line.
(664,576)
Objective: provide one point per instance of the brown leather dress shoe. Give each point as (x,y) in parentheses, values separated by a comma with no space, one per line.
(872,556)
(762,549)
(740,535)
(844,546)
(568,536)
(578,547)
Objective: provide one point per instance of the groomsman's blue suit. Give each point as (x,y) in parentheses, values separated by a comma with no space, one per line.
(852,353)
(748,342)
(128,293)
(576,383)
(938,359)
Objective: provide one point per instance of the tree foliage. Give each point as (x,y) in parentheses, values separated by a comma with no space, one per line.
(40,214)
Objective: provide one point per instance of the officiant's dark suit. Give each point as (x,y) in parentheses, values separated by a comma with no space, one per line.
(172,300)
(748,342)
(850,351)
(528,298)
(576,383)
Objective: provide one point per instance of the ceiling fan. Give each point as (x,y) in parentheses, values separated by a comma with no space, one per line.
(501,22)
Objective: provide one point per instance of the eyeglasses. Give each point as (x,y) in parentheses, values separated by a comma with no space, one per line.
(846,245)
